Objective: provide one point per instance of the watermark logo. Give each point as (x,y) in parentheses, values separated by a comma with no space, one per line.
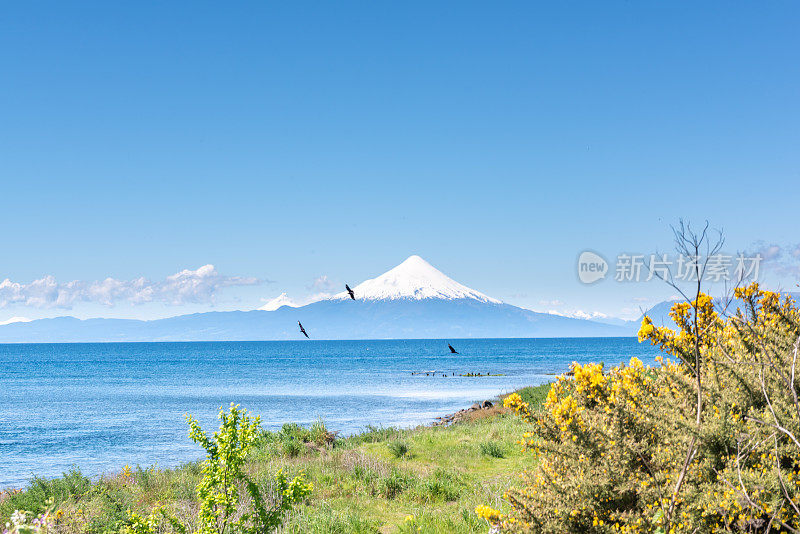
(715,268)
(591,267)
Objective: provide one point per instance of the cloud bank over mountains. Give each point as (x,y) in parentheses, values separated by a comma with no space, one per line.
(781,259)
(412,300)
(197,286)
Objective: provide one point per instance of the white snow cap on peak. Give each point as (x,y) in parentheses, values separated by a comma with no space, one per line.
(414,279)
(278,302)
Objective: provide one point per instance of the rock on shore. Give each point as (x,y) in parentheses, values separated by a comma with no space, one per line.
(462,414)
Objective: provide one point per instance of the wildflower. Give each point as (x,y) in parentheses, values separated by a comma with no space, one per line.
(488,513)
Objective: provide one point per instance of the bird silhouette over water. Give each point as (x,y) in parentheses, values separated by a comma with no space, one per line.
(352,295)
(303,330)
(452,350)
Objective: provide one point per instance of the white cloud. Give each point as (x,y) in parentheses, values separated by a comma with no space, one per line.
(573,313)
(580,314)
(195,286)
(15,320)
(769,251)
(592,315)
(784,261)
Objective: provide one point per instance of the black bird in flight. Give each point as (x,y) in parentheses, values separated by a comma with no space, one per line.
(452,350)
(352,295)
(303,330)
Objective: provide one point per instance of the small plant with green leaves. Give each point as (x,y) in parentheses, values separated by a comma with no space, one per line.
(395,483)
(149,525)
(492,449)
(223,475)
(222,468)
(223,472)
(399,449)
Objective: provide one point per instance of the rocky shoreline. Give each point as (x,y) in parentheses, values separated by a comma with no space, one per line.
(462,414)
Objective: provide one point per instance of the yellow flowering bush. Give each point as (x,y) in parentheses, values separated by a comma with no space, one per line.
(620,450)
(488,513)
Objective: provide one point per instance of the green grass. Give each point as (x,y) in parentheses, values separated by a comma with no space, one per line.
(367,483)
(534,395)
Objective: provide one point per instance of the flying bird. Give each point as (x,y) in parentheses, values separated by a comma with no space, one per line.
(352,295)
(303,330)
(452,350)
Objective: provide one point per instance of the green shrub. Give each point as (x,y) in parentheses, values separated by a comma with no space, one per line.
(110,503)
(293,430)
(320,435)
(42,491)
(290,440)
(399,449)
(395,483)
(493,449)
(374,434)
(442,486)
(223,477)
(292,447)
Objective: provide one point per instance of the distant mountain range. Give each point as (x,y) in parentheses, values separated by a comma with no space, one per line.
(660,312)
(413,300)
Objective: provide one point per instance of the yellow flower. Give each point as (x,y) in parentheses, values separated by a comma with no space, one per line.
(512,400)
(647,328)
(488,513)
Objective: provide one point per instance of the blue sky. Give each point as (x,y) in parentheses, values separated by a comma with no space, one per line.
(284,143)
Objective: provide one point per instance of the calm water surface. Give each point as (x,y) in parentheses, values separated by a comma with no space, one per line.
(99,406)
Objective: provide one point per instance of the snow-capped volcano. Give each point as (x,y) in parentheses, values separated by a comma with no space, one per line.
(281,300)
(414,279)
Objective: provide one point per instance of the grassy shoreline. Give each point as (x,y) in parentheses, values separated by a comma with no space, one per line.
(380,480)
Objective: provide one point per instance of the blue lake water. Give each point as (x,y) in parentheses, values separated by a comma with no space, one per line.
(99,406)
